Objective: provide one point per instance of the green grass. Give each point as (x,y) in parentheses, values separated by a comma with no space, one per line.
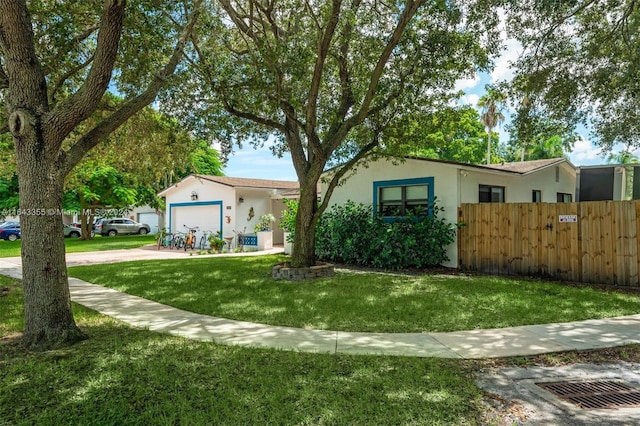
(242,289)
(136,377)
(74,245)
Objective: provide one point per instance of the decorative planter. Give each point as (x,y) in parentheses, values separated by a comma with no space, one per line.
(265,240)
(283,271)
(288,247)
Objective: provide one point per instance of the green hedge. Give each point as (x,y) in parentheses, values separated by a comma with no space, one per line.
(352,234)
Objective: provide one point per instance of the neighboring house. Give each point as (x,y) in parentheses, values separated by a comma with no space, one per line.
(390,185)
(227,204)
(152,217)
(608,182)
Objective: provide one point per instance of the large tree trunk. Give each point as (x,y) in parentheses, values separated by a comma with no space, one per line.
(49,319)
(304,243)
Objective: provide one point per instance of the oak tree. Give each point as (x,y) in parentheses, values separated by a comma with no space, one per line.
(57,60)
(326,79)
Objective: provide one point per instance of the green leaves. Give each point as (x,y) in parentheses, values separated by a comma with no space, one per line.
(580,64)
(351,234)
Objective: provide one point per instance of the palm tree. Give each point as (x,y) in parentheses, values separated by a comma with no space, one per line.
(492,116)
(623,157)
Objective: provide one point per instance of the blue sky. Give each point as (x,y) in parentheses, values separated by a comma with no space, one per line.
(260,163)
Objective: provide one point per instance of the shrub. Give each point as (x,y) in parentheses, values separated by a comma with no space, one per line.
(288,217)
(351,234)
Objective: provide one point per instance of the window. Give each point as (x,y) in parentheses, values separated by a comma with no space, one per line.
(402,197)
(564,197)
(536,196)
(491,194)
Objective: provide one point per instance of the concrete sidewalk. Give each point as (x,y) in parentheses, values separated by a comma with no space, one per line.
(504,342)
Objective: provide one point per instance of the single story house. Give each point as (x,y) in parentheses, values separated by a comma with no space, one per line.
(391,185)
(227,204)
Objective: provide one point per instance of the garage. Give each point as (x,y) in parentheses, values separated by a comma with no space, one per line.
(151,219)
(206,216)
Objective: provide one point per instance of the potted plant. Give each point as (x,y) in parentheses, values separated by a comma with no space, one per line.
(264,231)
(288,223)
(216,242)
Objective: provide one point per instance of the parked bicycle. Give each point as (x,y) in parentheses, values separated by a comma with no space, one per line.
(190,239)
(204,240)
(164,238)
(177,242)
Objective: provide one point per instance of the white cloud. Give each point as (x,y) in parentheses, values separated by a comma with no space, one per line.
(467,83)
(502,69)
(470,99)
(585,153)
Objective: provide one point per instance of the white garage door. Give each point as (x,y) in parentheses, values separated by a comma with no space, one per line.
(150,219)
(206,217)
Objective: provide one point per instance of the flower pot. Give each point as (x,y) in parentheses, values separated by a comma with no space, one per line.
(265,240)
(288,247)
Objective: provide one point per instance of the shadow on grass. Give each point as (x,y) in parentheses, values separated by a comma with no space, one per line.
(242,289)
(127,376)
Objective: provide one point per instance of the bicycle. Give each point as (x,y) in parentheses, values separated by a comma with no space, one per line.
(204,240)
(162,238)
(177,242)
(190,238)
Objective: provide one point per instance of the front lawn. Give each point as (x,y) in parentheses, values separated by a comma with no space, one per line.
(242,288)
(126,376)
(75,245)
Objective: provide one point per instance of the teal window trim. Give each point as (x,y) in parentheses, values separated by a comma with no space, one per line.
(194,204)
(377,185)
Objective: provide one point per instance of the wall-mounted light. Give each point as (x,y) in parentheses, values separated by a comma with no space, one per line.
(194,196)
(241,200)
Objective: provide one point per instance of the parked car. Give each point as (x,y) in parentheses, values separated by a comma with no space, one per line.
(119,226)
(71,231)
(10,231)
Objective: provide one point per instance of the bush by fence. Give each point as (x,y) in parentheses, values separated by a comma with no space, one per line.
(352,234)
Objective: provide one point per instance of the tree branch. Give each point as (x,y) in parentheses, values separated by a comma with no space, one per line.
(79,38)
(411,8)
(250,116)
(79,106)
(58,82)
(321,57)
(344,168)
(18,48)
(74,155)
(554,26)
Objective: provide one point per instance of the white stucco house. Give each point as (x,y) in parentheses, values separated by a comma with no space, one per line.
(391,185)
(227,204)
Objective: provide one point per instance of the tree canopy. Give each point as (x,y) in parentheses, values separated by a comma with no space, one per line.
(581,64)
(452,133)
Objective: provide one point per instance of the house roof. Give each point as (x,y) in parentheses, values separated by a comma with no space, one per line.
(519,167)
(233,182)
(251,183)
(524,167)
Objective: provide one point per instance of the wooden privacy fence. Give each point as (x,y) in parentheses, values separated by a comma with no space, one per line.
(594,242)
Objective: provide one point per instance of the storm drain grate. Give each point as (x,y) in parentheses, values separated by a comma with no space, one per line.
(595,395)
